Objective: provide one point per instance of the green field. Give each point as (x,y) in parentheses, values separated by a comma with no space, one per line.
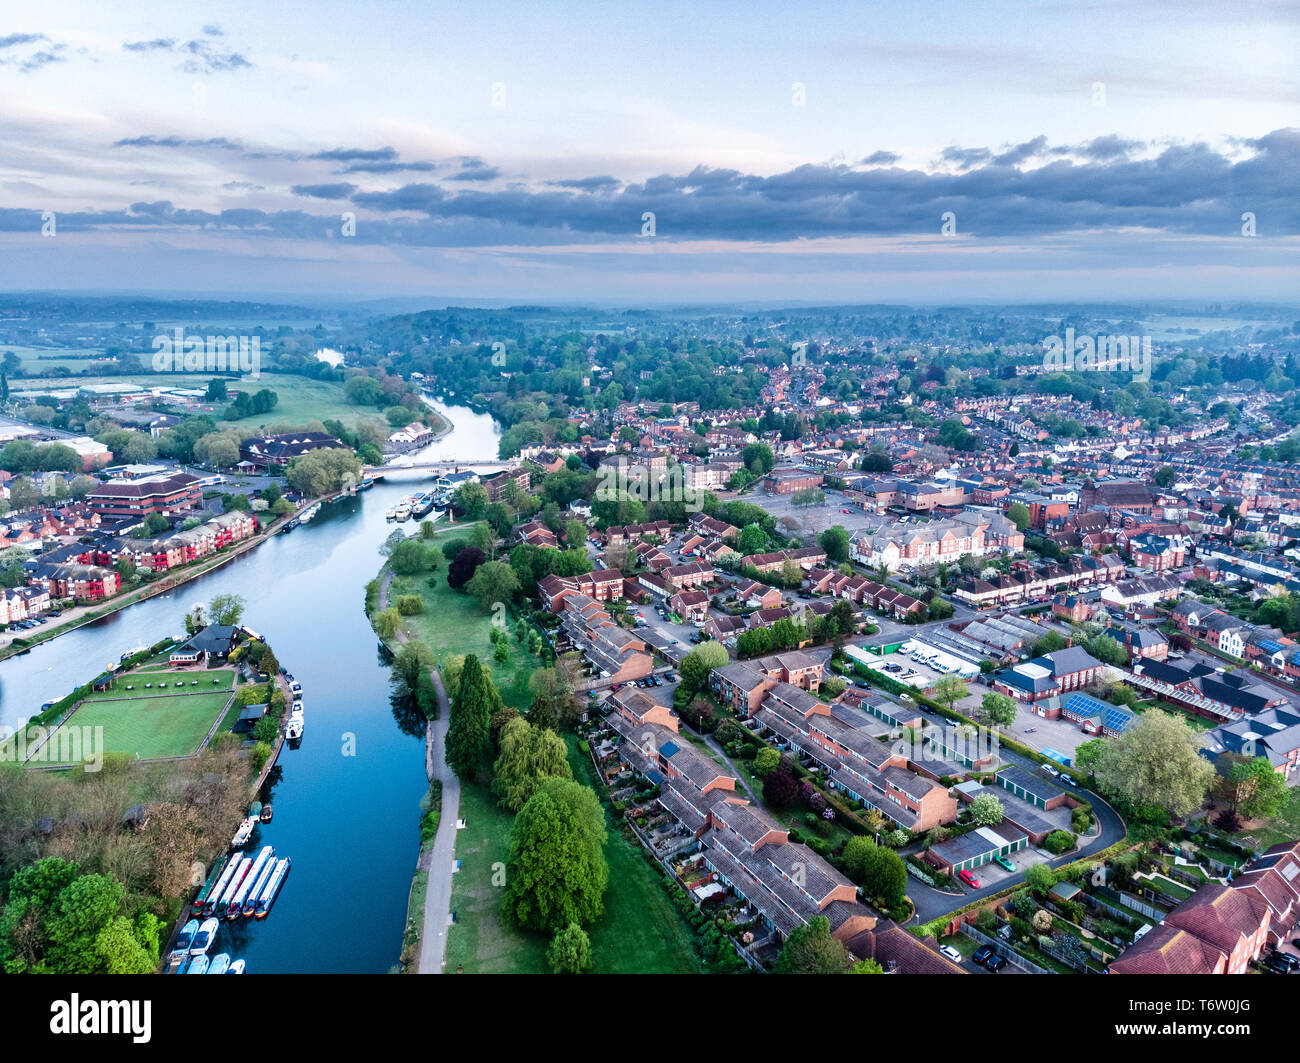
(300,398)
(154,675)
(160,726)
(454,623)
(639,932)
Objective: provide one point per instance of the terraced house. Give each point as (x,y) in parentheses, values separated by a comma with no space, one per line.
(843,739)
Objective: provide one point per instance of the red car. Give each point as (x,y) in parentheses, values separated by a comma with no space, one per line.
(969,879)
(844,511)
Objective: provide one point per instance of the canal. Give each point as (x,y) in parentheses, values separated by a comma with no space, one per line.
(347,801)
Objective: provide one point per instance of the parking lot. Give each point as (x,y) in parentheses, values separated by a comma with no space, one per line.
(817,518)
(1062,735)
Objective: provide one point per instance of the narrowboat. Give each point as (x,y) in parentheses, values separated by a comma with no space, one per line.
(268,896)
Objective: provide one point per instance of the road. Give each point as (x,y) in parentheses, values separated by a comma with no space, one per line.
(439,860)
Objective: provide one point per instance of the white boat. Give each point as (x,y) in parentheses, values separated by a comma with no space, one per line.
(198,965)
(245,829)
(249,905)
(402,511)
(309,512)
(183,941)
(236,906)
(294,728)
(203,939)
(267,898)
(391,514)
(232,887)
(236,967)
(220,963)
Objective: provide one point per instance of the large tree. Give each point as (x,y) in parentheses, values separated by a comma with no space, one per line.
(998,709)
(463,566)
(884,876)
(469,735)
(556,872)
(697,664)
(1252,787)
(225,609)
(493,582)
(811,950)
(951,689)
(1157,761)
(529,756)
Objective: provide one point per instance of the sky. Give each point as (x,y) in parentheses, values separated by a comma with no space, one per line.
(653,153)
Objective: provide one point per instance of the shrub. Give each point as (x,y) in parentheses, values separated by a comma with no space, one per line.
(1058,842)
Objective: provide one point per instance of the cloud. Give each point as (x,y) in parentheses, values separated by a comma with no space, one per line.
(357,155)
(388,167)
(881,158)
(158,44)
(15,39)
(965,158)
(340,190)
(214,31)
(589,184)
(178,142)
(1021,153)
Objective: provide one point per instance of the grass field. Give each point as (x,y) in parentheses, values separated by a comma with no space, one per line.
(639,932)
(454,623)
(152,727)
(137,679)
(300,399)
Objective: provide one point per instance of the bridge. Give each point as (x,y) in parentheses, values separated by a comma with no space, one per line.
(434,468)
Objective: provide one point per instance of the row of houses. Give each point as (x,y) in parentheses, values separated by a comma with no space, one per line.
(1026,584)
(865,592)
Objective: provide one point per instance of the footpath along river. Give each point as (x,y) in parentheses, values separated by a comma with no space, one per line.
(346,808)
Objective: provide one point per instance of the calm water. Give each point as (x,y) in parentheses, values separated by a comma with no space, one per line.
(349,822)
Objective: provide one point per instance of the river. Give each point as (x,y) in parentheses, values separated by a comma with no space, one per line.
(346,808)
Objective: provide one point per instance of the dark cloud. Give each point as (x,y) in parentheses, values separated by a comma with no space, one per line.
(475,170)
(1020,153)
(214,31)
(589,184)
(965,157)
(15,39)
(881,158)
(1103,187)
(357,155)
(328,191)
(204,59)
(389,167)
(158,44)
(178,142)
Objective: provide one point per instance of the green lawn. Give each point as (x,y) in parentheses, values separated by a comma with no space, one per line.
(454,623)
(152,727)
(639,932)
(138,679)
(300,399)
(1284,828)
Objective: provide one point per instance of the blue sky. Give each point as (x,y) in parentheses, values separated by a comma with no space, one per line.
(787,152)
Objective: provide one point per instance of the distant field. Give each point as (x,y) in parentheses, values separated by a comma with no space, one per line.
(34,359)
(167,726)
(300,399)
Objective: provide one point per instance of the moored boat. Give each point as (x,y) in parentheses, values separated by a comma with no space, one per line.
(198,965)
(245,829)
(236,967)
(236,907)
(249,904)
(203,939)
(220,963)
(294,728)
(266,813)
(268,896)
(210,902)
(184,939)
(213,879)
(232,887)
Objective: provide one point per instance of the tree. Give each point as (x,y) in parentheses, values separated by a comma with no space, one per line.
(468,732)
(529,756)
(1164,476)
(471,499)
(884,875)
(463,567)
(866,967)
(810,949)
(998,709)
(411,557)
(120,951)
(493,583)
(225,609)
(1040,878)
(808,496)
(556,872)
(319,472)
(697,664)
(857,851)
(1157,761)
(779,787)
(1106,650)
(1087,754)
(766,760)
(986,810)
(950,689)
(752,540)
(1254,789)
(1018,514)
(569,951)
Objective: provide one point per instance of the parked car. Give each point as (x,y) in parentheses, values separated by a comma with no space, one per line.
(969,879)
(1047,769)
(1069,780)
(950,952)
(844,511)
(1291,962)
(1277,965)
(995,963)
(982,954)
(1002,861)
